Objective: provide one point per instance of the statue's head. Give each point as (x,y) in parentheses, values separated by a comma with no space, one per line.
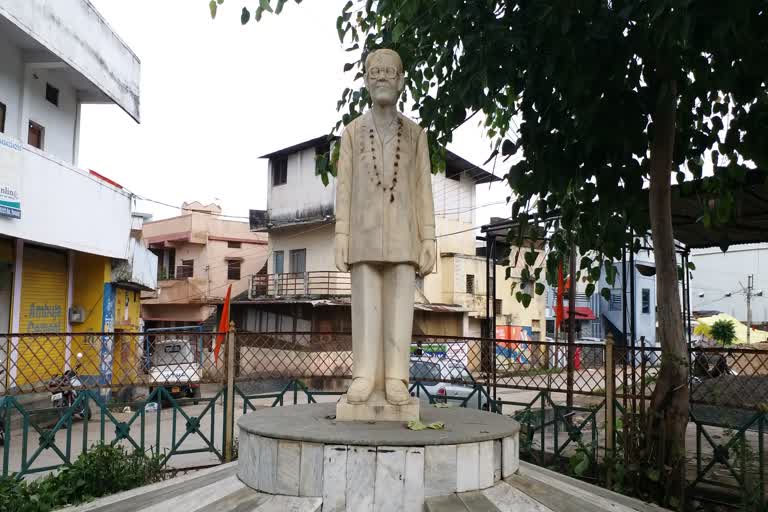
(384,77)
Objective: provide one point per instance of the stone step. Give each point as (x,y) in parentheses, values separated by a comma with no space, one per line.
(473,501)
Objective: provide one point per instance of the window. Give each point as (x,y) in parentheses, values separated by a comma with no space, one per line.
(2,117)
(186,269)
(52,94)
(298,261)
(279,262)
(234,245)
(233,270)
(497,305)
(615,304)
(279,171)
(646,298)
(36,137)
(470,284)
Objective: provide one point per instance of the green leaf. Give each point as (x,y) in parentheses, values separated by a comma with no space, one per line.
(348,66)
(340,28)
(606,294)
(264,4)
(397,32)
(582,467)
(257,14)
(590,290)
(530,257)
(526,300)
(214,8)
(416,425)
(279,7)
(245,16)
(653,474)
(540,288)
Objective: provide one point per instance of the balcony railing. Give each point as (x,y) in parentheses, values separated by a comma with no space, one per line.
(318,283)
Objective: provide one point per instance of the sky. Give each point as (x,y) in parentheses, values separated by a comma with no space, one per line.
(216,95)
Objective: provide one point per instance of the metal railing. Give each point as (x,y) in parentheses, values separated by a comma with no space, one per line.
(319,283)
(167,392)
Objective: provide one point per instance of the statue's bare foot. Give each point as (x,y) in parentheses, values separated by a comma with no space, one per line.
(359,390)
(397,392)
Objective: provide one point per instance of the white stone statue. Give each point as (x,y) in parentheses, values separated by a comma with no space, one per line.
(385,231)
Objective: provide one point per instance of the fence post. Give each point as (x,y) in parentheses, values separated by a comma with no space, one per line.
(610,411)
(229,396)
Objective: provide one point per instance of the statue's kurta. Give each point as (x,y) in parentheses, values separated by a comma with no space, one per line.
(384,192)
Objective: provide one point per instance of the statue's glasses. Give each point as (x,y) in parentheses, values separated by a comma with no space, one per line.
(386,72)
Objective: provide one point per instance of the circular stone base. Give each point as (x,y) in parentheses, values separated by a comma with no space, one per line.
(302,450)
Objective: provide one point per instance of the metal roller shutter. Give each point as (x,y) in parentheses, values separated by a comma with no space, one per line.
(43,310)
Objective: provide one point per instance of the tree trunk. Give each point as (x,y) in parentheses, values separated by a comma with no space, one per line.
(668,412)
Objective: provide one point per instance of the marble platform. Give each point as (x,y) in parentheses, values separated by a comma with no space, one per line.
(304,451)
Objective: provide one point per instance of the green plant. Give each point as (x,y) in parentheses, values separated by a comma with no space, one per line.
(723,331)
(100,471)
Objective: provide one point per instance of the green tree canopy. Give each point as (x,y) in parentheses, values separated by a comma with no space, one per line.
(597,106)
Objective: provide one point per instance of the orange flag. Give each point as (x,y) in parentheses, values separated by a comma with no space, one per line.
(223,326)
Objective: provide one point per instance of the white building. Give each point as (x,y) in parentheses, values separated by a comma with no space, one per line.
(303,291)
(69,238)
(720,279)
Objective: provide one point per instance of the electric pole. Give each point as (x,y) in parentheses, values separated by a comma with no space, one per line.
(750,283)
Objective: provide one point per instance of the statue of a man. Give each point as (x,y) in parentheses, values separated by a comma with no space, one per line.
(385,230)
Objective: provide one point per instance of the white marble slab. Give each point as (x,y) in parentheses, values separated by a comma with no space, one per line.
(390,479)
(508,499)
(288,464)
(439,470)
(485,465)
(311,472)
(267,465)
(199,498)
(291,504)
(334,478)
(413,497)
(467,460)
(510,458)
(361,475)
(248,459)
(497,460)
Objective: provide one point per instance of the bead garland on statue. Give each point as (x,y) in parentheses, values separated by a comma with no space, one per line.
(377,176)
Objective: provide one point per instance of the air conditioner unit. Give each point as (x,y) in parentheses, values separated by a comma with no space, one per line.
(76,315)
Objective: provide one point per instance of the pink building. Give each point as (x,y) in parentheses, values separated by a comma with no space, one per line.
(199,254)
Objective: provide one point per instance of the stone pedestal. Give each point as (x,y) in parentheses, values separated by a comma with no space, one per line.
(303,450)
(377,409)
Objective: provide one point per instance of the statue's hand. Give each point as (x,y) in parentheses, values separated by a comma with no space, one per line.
(426,257)
(342,252)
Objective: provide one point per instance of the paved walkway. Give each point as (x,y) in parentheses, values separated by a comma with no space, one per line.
(219,490)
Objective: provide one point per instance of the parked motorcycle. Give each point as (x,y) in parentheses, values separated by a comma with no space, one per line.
(64,393)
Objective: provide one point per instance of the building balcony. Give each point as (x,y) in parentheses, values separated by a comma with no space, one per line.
(178,291)
(319,284)
(48,201)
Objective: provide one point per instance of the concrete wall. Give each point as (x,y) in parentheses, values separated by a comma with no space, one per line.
(77,34)
(60,122)
(254,257)
(317,240)
(303,195)
(90,274)
(11,79)
(64,206)
(719,273)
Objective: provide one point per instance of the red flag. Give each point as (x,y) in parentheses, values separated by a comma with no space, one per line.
(560,289)
(223,326)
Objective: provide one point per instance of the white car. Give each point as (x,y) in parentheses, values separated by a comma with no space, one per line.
(447,382)
(174,366)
